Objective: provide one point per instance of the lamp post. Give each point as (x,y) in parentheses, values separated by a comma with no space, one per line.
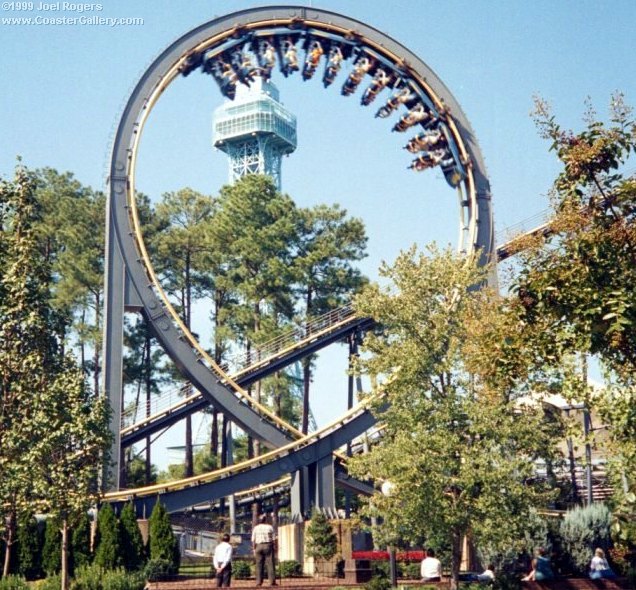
(387,489)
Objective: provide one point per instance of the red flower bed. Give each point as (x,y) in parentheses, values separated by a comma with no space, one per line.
(384,555)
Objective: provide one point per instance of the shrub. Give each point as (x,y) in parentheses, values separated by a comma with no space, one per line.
(158,569)
(241,570)
(378,583)
(50,583)
(584,529)
(290,569)
(88,577)
(108,542)
(411,571)
(13,583)
(120,579)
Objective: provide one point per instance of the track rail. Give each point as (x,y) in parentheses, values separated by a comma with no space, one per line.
(167,414)
(130,279)
(266,468)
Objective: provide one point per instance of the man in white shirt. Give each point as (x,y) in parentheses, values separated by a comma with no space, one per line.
(431,568)
(222,561)
(263,541)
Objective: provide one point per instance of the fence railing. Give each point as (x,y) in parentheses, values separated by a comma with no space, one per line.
(174,398)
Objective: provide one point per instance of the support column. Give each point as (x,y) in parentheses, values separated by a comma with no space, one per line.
(587,427)
(324,489)
(353,352)
(115,278)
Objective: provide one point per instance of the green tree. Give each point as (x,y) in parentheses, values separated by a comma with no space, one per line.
(179,254)
(326,244)
(144,373)
(162,542)
(72,233)
(254,227)
(81,542)
(52,549)
(28,344)
(579,281)
(66,457)
(320,540)
(51,458)
(108,546)
(137,475)
(29,547)
(457,448)
(132,543)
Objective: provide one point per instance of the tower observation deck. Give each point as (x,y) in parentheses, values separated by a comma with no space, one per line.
(255,131)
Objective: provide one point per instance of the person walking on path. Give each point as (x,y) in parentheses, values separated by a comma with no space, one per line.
(263,543)
(222,562)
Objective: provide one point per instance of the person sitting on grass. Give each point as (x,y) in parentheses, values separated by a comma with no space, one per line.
(541,568)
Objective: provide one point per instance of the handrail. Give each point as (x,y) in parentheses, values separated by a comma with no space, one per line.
(346,315)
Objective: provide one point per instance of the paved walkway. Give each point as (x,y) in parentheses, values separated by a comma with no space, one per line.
(291,583)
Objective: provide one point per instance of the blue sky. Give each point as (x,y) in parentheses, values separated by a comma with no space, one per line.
(63,88)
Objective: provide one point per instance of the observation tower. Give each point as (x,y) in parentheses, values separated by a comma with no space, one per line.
(255,131)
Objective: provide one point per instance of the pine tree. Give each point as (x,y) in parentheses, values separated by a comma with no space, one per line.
(131,541)
(81,542)
(108,547)
(52,550)
(29,553)
(326,243)
(180,252)
(162,542)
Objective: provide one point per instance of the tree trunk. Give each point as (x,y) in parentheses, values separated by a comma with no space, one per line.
(98,349)
(82,344)
(456,559)
(9,538)
(148,379)
(64,556)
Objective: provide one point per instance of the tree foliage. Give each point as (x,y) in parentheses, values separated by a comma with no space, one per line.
(52,431)
(52,549)
(108,545)
(320,540)
(457,446)
(161,542)
(29,554)
(132,544)
(579,282)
